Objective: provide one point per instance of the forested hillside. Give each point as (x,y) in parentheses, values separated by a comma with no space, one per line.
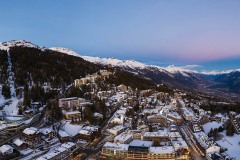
(36,66)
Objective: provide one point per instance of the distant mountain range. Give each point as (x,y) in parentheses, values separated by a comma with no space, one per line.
(218,82)
(227,81)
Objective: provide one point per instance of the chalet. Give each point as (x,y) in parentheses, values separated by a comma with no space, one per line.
(85,135)
(94,129)
(47,133)
(6,149)
(64,136)
(35,106)
(31,136)
(19,144)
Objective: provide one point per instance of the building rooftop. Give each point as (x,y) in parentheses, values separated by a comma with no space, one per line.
(18,142)
(116,146)
(68,145)
(123,137)
(63,133)
(141,143)
(5,148)
(30,131)
(161,150)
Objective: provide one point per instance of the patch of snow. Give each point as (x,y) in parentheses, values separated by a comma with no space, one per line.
(72,129)
(28,121)
(2,99)
(14,118)
(232,144)
(207,127)
(12,108)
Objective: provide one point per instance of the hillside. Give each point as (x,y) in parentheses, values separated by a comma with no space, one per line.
(230,80)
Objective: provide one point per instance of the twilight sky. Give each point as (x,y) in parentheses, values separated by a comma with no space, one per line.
(160,32)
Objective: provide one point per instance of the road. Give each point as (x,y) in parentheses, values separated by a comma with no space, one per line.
(94,150)
(195,154)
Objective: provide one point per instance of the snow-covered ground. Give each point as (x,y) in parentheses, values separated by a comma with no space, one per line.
(12,109)
(232,144)
(207,127)
(2,99)
(11,77)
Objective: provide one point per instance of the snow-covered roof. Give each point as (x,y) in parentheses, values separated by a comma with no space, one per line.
(72,129)
(30,131)
(116,146)
(72,112)
(5,148)
(63,133)
(45,131)
(161,150)
(123,137)
(85,132)
(18,142)
(141,143)
(68,145)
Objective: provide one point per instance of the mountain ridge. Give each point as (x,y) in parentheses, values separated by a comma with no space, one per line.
(179,77)
(112,61)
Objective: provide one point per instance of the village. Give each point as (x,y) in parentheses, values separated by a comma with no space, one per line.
(130,124)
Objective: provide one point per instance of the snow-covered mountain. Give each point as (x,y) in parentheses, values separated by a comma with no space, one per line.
(132,64)
(172,75)
(18,43)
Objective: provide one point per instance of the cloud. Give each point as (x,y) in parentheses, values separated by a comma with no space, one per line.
(191,66)
(216,72)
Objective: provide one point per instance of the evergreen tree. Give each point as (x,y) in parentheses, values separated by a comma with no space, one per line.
(156,142)
(103,108)
(210,134)
(220,129)
(26,99)
(230,130)
(6,91)
(89,114)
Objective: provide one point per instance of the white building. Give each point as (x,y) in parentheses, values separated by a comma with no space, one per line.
(6,149)
(123,138)
(116,130)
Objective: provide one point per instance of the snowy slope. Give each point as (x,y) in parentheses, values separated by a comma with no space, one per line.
(64,50)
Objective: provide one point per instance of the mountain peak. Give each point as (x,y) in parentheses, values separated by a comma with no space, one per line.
(20,43)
